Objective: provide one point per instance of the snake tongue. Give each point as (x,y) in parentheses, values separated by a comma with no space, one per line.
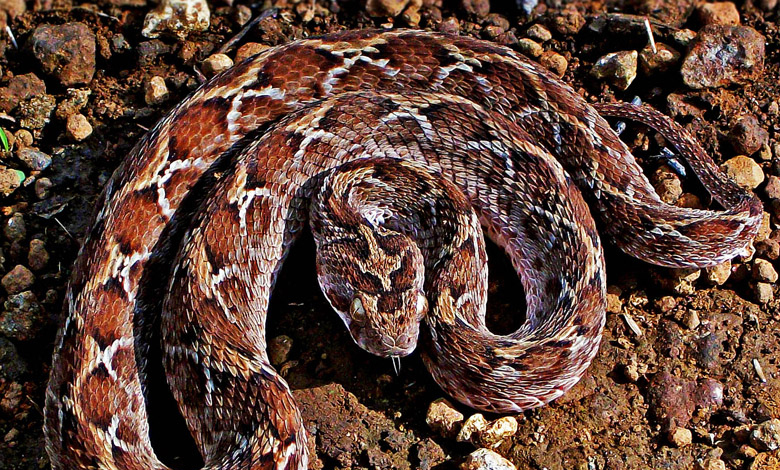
(396,364)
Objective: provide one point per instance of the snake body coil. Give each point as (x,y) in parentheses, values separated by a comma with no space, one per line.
(223,185)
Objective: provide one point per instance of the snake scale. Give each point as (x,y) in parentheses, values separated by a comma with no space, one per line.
(223,185)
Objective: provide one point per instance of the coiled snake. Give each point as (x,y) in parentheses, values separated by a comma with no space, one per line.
(224,184)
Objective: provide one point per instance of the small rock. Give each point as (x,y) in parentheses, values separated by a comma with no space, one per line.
(156,91)
(77,127)
(680,437)
(20,88)
(177,18)
(718,274)
(614,304)
(148,51)
(723,13)
(17,280)
(721,55)
(568,22)
(766,436)
(669,189)
(449,26)
(478,8)
(385,8)
(763,292)
(38,257)
(618,68)
(486,459)
(660,61)
(772,188)
(765,153)
(66,52)
(691,319)
(36,112)
(23,138)
(216,63)
(119,44)
(747,135)
(10,180)
(471,428)
(530,47)
(554,62)
(13,8)
(768,248)
(12,366)
(495,433)
(766,461)
(631,370)
(279,349)
(744,171)
(15,228)
(75,101)
(711,463)
(429,454)
(539,32)
(443,418)
(248,50)
(42,186)
(34,159)
(22,318)
(680,281)
(763,271)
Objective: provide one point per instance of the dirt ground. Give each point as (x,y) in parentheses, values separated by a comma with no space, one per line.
(687,374)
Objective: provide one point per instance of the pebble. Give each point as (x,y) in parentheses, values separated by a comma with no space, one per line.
(37,256)
(691,319)
(75,101)
(77,127)
(177,18)
(10,180)
(744,171)
(443,418)
(15,228)
(568,22)
(747,136)
(722,55)
(479,8)
(769,248)
(216,63)
(22,318)
(554,62)
(539,32)
(248,50)
(763,271)
(766,436)
(497,431)
(618,68)
(766,461)
(42,186)
(156,91)
(36,112)
(12,366)
(471,428)
(530,47)
(23,138)
(17,280)
(680,437)
(34,159)
(279,349)
(763,292)
(669,189)
(486,459)
(449,26)
(718,274)
(65,52)
(614,304)
(20,88)
(429,454)
(385,8)
(662,60)
(772,188)
(723,13)
(711,463)
(680,281)
(149,50)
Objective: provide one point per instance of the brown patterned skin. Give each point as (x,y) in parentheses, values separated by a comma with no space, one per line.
(223,184)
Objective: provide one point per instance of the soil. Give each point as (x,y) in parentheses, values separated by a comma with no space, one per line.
(676,354)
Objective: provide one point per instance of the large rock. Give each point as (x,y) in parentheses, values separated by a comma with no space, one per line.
(65,52)
(722,55)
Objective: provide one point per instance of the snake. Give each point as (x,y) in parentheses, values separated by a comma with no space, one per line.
(190,233)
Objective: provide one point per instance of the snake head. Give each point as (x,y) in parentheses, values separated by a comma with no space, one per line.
(376,287)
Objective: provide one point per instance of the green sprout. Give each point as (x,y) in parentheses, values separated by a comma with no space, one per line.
(4,139)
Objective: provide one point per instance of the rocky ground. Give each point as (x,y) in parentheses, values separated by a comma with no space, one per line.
(687,375)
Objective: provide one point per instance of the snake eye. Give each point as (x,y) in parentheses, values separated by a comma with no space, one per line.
(357,310)
(422,305)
